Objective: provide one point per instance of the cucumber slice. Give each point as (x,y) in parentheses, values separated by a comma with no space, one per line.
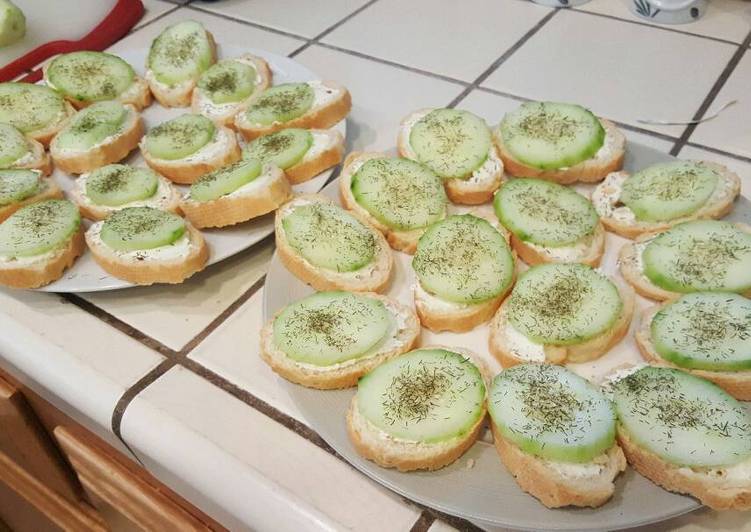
(552,412)
(140,228)
(563,304)
(706,330)
(284,148)
(544,213)
(463,259)
(451,142)
(427,395)
(670,190)
(399,193)
(225,180)
(30,107)
(17,185)
(228,81)
(38,228)
(281,103)
(329,237)
(92,125)
(551,135)
(13,145)
(329,328)
(181,52)
(682,418)
(12,23)
(179,137)
(90,76)
(117,184)
(700,255)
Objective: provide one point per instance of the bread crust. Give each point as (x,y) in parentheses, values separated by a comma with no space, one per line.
(321,279)
(306,170)
(736,383)
(41,160)
(111,151)
(561,354)
(317,117)
(712,210)
(45,135)
(588,171)
(50,191)
(553,490)
(708,489)
(46,272)
(347,376)
(100,212)
(530,253)
(459,320)
(230,210)
(148,272)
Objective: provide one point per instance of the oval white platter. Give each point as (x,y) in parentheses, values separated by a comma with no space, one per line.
(87,276)
(477,487)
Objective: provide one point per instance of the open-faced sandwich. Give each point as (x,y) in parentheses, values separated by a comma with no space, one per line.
(20,187)
(37,111)
(19,151)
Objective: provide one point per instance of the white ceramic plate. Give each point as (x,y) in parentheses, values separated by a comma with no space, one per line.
(477,487)
(87,276)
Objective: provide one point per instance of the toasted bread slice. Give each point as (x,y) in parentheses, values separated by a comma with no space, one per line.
(347,374)
(36,159)
(608,159)
(621,220)
(221,151)
(589,251)
(114,148)
(372,278)
(323,114)
(44,269)
(47,190)
(262,195)
(327,151)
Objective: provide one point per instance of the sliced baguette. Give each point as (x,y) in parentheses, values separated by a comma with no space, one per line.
(267,192)
(347,374)
(536,476)
(319,116)
(46,134)
(535,254)
(48,190)
(312,165)
(321,279)
(591,349)
(606,197)
(39,159)
(590,171)
(736,383)
(115,148)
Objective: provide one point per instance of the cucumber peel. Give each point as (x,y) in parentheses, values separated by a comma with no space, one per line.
(225,180)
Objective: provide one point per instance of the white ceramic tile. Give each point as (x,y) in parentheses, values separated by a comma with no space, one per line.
(456,39)
(441,526)
(152,9)
(724,19)
(381,94)
(702,520)
(294,16)
(731,131)
(174,314)
(619,70)
(742,168)
(250,472)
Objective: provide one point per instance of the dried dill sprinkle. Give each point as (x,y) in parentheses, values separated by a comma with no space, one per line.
(270,145)
(115,178)
(29,107)
(446,133)
(220,173)
(668,184)
(550,126)
(225,81)
(556,303)
(337,325)
(178,132)
(178,50)
(707,259)
(282,102)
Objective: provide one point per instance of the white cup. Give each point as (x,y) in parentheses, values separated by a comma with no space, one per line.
(669,11)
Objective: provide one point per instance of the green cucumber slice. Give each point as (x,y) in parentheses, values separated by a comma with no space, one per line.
(117,184)
(551,135)
(705,330)
(451,142)
(90,76)
(228,81)
(427,395)
(225,180)
(700,255)
(284,148)
(329,237)
(682,418)
(463,259)
(12,23)
(552,412)
(563,304)
(544,213)
(281,103)
(670,190)
(92,125)
(329,328)
(30,107)
(399,193)
(17,185)
(181,52)
(140,228)
(13,145)
(38,228)
(179,137)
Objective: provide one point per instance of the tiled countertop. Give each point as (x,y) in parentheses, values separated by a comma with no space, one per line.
(171,374)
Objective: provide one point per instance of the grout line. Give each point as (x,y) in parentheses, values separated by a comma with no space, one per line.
(271,29)
(137,28)
(423,522)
